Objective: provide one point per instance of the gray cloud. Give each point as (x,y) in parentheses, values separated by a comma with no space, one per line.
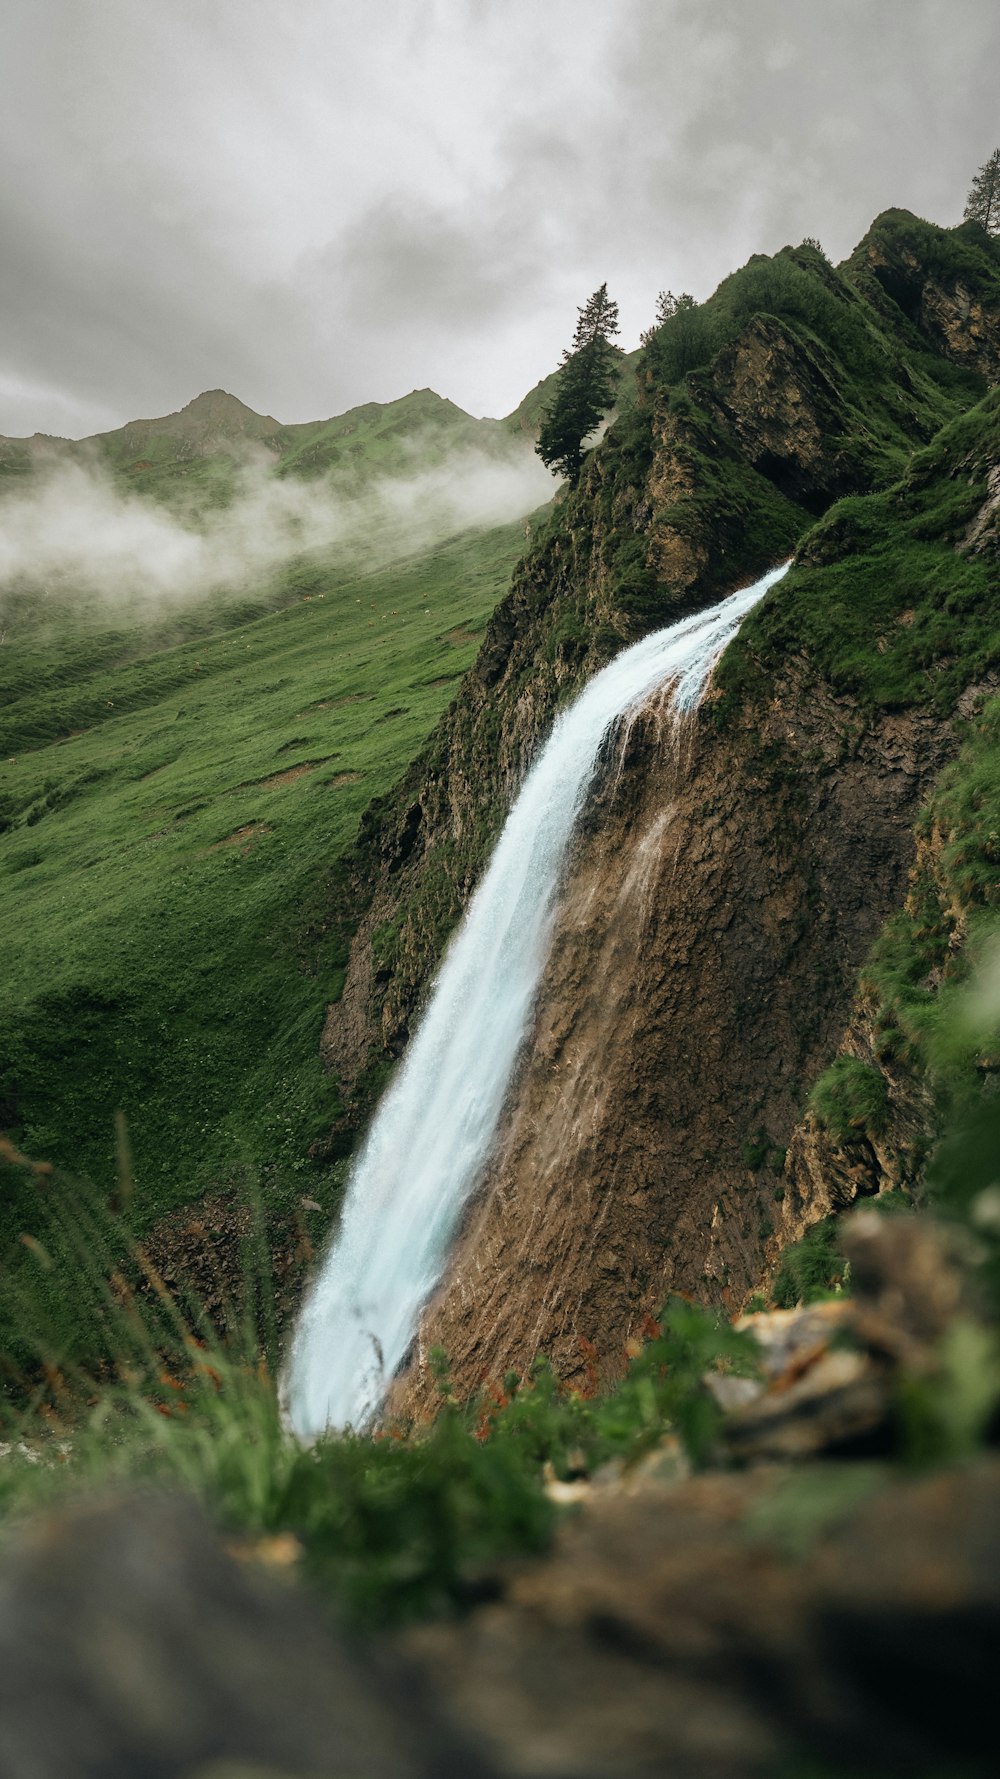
(316,206)
(407,264)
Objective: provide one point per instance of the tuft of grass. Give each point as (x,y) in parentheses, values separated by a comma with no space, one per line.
(850,1099)
(812,1268)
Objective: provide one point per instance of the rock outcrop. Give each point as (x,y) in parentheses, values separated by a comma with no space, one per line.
(946,306)
(671,1635)
(808,1596)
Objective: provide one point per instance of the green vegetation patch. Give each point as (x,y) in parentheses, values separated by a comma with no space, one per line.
(850,1099)
(933,981)
(398,1525)
(883,602)
(814,1267)
(168,883)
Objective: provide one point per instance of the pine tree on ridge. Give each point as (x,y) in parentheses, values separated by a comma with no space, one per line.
(586,387)
(983,203)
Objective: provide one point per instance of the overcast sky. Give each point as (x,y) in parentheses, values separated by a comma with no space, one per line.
(314,203)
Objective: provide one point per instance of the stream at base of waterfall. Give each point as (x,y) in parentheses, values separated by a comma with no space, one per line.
(431,1137)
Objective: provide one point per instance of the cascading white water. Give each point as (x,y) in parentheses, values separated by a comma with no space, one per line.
(432,1134)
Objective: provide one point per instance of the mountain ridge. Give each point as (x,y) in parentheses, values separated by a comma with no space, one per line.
(218,404)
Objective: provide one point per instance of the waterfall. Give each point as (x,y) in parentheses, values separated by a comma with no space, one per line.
(431,1137)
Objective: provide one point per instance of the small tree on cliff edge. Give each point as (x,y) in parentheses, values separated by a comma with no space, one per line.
(984,198)
(585,389)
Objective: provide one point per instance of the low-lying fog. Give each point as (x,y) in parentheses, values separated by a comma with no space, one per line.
(73,529)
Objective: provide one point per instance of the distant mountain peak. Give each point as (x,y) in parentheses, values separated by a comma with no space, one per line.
(214,404)
(213,420)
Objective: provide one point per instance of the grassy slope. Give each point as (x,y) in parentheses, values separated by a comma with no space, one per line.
(152,960)
(882,600)
(374,438)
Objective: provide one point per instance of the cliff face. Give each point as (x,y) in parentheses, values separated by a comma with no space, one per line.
(700,487)
(720,900)
(726,885)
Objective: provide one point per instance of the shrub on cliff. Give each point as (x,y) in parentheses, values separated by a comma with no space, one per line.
(850,1099)
(811,1268)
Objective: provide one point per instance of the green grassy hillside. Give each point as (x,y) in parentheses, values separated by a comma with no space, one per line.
(197,453)
(182,766)
(164,867)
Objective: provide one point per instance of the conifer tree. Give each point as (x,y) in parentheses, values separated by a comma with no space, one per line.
(984,198)
(667,306)
(585,389)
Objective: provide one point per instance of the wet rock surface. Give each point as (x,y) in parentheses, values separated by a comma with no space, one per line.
(722,894)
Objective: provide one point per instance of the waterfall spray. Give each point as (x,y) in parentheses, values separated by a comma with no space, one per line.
(432,1135)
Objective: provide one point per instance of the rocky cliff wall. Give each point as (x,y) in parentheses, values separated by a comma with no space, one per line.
(697,490)
(722,895)
(726,886)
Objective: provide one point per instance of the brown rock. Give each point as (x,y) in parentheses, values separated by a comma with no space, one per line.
(908,1283)
(593,1668)
(133,1647)
(901,1630)
(711,1628)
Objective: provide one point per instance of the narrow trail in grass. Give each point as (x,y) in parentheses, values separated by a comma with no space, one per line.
(431,1138)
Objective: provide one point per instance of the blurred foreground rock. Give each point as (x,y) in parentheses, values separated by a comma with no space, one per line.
(830,1372)
(810,1607)
(712,1627)
(810,1597)
(133,1646)
(708,1628)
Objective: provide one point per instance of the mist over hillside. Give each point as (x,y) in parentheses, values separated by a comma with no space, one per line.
(227,504)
